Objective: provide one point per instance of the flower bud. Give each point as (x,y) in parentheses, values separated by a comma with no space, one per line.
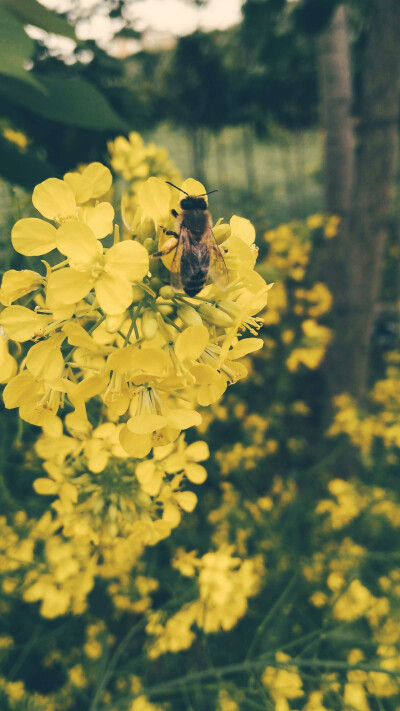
(137,293)
(150,245)
(215,315)
(155,283)
(165,309)
(149,324)
(230,307)
(167,292)
(189,316)
(221,233)
(146,230)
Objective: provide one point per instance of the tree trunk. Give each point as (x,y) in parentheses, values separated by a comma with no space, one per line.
(352,263)
(336,98)
(375,167)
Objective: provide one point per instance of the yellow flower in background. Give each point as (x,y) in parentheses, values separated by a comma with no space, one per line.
(283,684)
(17,137)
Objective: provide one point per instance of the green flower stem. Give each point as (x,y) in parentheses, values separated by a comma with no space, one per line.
(146,288)
(271,612)
(250,667)
(171,323)
(97,323)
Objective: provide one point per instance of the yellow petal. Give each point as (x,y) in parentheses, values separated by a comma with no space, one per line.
(88,388)
(195,473)
(191,342)
(100,178)
(154,198)
(39,416)
(45,486)
(187,500)
(182,419)
(68,495)
(99,218)
(147,360)
(21,389)
(44,360)
(54,199)
(193,187)
(113,292)
(129,258)
(150,477)
(80,186)
(8,364)
(31,237)
(77,241)
(171,514)
(207,394)
(97,456)
(77,336)
(197,452)
(245,346)
(22,324)
(175,463)
(68,286)
(137,446)
(16,284)
(205,374)
(242,228)
(146,424)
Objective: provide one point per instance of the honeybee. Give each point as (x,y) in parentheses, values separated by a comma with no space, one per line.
(197,255)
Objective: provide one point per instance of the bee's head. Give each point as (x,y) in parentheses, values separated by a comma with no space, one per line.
(191,202)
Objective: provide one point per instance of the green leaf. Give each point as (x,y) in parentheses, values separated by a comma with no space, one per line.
(33,13)
(70,101)
(15,48)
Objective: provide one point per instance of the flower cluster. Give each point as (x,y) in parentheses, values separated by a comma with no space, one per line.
(225,583)
(114,364)
(137,161)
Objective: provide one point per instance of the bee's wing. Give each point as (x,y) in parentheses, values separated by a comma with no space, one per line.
(176,280)
(218,272)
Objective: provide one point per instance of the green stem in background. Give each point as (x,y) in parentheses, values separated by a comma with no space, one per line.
(97,324)
(271,612)
(128,335)
(146,288)
(250,667)
(171,323)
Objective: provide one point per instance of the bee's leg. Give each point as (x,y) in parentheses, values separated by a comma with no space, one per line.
(168,246)
(171,232)
(174,213)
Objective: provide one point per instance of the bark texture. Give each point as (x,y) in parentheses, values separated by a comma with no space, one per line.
(352,264)
(336,96)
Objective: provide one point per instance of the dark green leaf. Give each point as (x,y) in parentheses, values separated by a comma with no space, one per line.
(15,48)
(31,12)
(70,101)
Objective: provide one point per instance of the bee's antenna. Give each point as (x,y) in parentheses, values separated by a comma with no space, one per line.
(175,186)
(209,193)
